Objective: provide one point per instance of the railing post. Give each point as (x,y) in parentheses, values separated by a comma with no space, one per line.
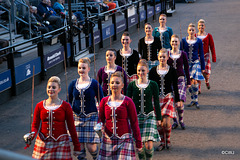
(11,66)
(115,26)
(138,13)
(100,29)
(64,43)
(145,7)
(126,17)
(154,10)
(70,33)
(41,55)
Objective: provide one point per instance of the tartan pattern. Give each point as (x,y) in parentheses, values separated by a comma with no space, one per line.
(116,148)
(50,149)
(195,70)
(194,92)
(182,88)
(207,63)
(167,106)
(148,127)
(84,127)
(152,64)
(131,78)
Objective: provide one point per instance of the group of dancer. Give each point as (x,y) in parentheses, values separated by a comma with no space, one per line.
(138,93)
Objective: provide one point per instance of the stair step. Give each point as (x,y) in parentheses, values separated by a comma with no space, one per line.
(83,54)
(25,51)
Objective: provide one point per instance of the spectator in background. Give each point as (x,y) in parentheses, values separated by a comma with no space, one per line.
(36,21)
(59,8)
(45,11)
(3,43)
(6,4)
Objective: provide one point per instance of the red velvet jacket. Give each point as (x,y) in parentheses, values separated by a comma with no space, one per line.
(208,42)
(125,113)
(53,122)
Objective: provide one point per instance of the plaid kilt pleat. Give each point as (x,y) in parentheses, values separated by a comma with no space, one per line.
(148,127)
(152,64)
(207,63)
(84,127)
(182,88)
(116,148)
(50,149)
(167,106)
(131,78)
(195,70)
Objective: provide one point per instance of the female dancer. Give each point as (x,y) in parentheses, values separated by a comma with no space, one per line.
(117,112)
(128,58)
(194,48)
(149,46)
(105,72)
(178,60)
(165,33)
(143,91)
(208,42)
(53,114)
(166,78)
(82,93)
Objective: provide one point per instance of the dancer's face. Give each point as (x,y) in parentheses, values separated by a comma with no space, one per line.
(142,71)
(201,27)
(116,84)
(110,57)
(162,20)
(148,29)
(174,42)
(163,57)
(53,89)
(125,40)
(83,69)
(191,31)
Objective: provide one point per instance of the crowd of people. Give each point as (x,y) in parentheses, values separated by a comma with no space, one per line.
(134,97)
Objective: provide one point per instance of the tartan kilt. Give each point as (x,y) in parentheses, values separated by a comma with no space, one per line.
(148,127)
(131,78)
(116,148)
(50,149)
(182,88)
(84,127)
(167,106)
(207,64)
(152,64)
(195,71)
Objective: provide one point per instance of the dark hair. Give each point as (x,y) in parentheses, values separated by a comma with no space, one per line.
(112,50)
(126,34)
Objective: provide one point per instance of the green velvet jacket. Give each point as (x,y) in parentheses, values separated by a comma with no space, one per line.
(151,92)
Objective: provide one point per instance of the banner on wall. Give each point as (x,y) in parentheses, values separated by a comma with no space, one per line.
(142,15)
(5,80)
(158,8)
(108,31)
(25,71)
(132,20)
(150,12)
(53,57)
(121,25)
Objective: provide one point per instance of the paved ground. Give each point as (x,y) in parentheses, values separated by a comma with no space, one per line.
(211,131)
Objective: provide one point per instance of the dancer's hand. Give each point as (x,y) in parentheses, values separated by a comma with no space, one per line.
(139,149)
(203,71)
(76,153)
(188,86)
(159,123)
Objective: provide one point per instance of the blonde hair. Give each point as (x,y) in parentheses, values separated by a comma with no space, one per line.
(176,36)
(117,74)
(56,80)
(201,21)
(192,25)
(85,60)
(163,50)
(143,62)
(164,15)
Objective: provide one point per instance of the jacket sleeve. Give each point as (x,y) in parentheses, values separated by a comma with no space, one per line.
(101,116)
(99,76)
(99,92)
(132,115)
(201,54)
(212,47)
(129,90)
(155,91)
(71,127)
(186,67)
(70,93)
(125,82)
(36,119)
(175,85)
